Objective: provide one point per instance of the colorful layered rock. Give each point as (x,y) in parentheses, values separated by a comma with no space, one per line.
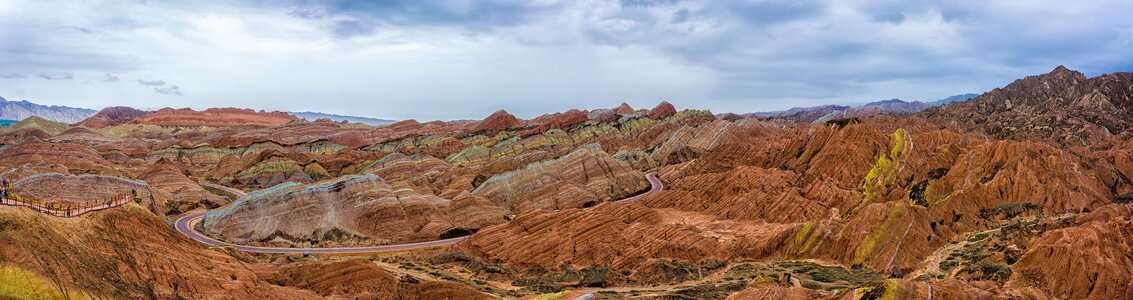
(350,210)
(585,177)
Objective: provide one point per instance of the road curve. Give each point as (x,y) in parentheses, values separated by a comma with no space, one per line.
(185,225)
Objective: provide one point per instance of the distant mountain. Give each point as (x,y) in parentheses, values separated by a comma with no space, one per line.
(952,99)
(818,114)
(1061,106)
(19,110)
(311,116)
(891,105)
(800,112)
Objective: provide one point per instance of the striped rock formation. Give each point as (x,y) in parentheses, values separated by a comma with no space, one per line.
(356,209)
(585,177)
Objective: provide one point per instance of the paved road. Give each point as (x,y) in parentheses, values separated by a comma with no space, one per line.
(186,225)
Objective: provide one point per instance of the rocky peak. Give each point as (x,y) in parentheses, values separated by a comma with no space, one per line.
(111,116)
(662,110)
(1061,105)
(1063,72)
(623,109)
(497,121)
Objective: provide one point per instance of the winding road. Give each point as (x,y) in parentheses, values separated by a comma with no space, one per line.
(186,226)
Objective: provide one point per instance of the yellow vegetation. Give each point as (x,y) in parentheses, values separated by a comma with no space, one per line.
(885,168)
(17,283)
(551,296)
(805,238)
(871,240)
(891,290)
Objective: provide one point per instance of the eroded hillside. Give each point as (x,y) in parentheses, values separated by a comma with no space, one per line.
(1002,196)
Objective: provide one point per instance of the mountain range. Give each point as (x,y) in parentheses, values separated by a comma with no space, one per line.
(312,116)
(824,113)
(18,110)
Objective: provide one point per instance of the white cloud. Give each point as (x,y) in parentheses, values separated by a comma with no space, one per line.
(468,58)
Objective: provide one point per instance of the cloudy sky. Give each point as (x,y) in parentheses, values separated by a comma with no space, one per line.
(464,59)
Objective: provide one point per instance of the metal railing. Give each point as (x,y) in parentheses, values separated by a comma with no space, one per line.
(66,209)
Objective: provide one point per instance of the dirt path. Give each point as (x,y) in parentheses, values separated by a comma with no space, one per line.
(931,264)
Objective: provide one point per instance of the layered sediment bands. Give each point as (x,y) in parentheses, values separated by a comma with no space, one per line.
(473,212)
(85,188)
(883,197)
(747,193)
(622,236)
(422,172)
(125,253)
(37,123)
(1091,260)
(689,142)
(112,116)
(75,157)
(184,193)
(585,177)
(1002,171)
(197,156)
(498,121)
(662,110)
(358,209)
(214,117)
(843,155)
(918,201)
(561,120)
(271,171)
(311,137)
(11,136)
(362,279)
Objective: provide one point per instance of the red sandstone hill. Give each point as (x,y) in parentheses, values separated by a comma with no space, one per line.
(662,110)
(1062,106)
(497,121)
(214,117)
(111,116)
(623,109)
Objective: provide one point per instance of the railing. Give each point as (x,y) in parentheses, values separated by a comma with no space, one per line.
(66,209)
